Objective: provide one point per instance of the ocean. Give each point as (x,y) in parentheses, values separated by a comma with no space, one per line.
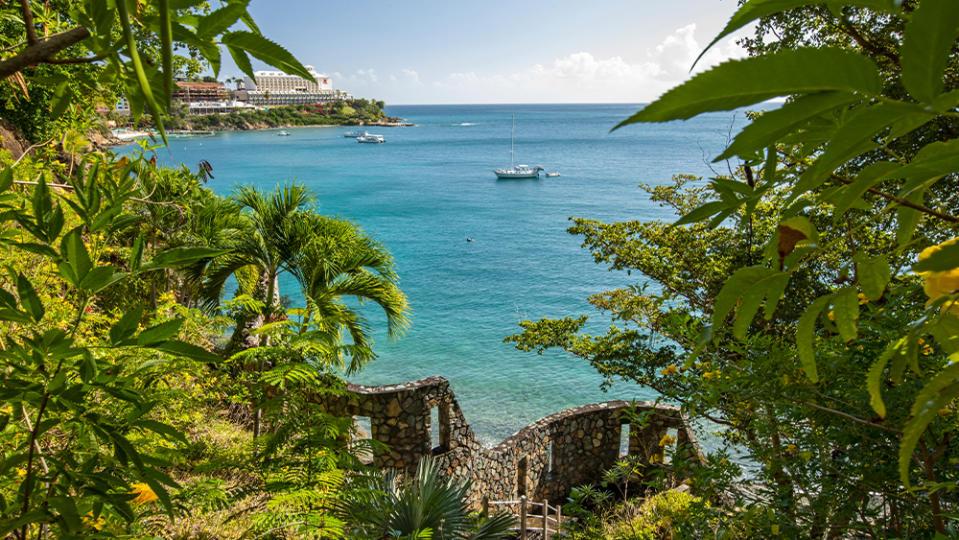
(431,186)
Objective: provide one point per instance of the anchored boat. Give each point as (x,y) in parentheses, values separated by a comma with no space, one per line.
(517,171)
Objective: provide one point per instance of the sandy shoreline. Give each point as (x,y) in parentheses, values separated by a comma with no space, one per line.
(128,136)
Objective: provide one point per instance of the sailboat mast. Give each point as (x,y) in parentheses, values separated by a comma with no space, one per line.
(511,129)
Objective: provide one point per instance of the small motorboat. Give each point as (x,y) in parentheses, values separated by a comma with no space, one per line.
(371,138)
(283,133)
(552,174)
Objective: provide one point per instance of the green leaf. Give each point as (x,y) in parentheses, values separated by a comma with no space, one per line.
(267,51)
(28,298)
(182,256)
(166,46)
(772,125)
(907,219)
(126,326)
(936,394)
(756,9)
(242,60)
(854,137)
(67,512)
(735,286)
(944,257)
(946,332)
(867,178)
(160,428)
(770,288)
(136,254)
(846,312)
(100,278)
(6,179)
(874,377)
(161,332)
(805,331)
(929,39)
(702,213)
(874,274)
(144,84)
(220,20)
(186,350)
(798,71)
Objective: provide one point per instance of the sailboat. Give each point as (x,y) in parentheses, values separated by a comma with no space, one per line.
(517,171)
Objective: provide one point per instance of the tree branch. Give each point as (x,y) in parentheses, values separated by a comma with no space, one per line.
(903,202)
(865,44)
(42,51)
(77,60)
(842,414)
(28,22)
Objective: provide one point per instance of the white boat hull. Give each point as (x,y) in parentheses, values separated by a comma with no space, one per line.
(512,175)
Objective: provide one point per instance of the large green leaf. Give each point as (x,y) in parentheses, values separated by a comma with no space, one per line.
(733,289)
(867,178)
(846,313)
(874,274)
(805,331)
(220,20)
(943,258)
(874,376)
(936,394)
(854,137)
(756,9)
(738,83)
(266,50)
(929,39)
(778,122)
(182,256)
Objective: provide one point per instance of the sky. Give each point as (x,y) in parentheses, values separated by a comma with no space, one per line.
(499,51)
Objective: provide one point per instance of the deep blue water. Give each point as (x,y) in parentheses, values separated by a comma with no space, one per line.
(431,186)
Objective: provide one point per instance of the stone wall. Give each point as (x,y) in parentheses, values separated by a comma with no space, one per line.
(542,461)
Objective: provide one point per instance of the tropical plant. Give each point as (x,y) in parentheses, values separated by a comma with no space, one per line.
(836,230)
(74,402)
(381,505)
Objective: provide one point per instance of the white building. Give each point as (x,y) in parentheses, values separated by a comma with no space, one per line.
(277,82)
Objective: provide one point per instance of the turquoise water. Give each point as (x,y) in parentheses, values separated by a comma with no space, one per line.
(431,186)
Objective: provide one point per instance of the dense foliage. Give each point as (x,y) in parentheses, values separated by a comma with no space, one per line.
(346,112)
(135,399)
(803,305)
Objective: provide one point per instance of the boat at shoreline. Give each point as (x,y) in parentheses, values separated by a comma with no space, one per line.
(518,171)
(371,138)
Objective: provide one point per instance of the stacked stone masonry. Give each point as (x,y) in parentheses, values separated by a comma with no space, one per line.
(541,461)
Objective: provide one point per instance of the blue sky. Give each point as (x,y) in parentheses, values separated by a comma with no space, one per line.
(498,51)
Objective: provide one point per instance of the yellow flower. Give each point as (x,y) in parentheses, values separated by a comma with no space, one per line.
(144,493)
(708,375)
(94,522)
(667,440)
(832,315)
(863,299)
(945,411)
(791,448)
(926,350)
(941,283)
(669,370)
(21,473)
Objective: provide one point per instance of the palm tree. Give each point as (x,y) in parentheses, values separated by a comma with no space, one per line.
(341,262)
(382,506)
(330,258)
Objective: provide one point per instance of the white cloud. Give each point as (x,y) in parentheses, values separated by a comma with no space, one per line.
(579,76)
(582,76)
